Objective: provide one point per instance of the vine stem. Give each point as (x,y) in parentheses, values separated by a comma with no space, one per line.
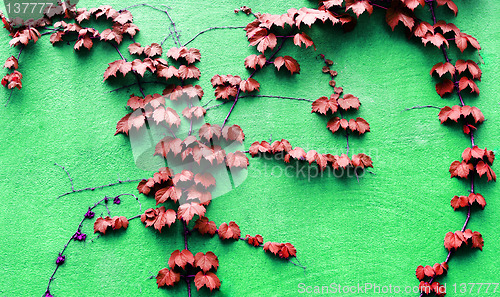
(457,90)
(210,29)
(278,97)
(186,235)
(47,291)
(251,75)
(92,188)
(422,106)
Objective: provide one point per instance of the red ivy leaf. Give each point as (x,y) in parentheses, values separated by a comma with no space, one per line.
(323,105)
(477,240)
(191,71)
(444,87)
(11,63)
(441,69)
(303,38)
(460,169)
(436,39)
(249,85)
(263,40)
(452,113)
(152,50)
(429,271)
(459,201)
(205,227)
(467,82)
(206,179)
(237,159)
(253,61)
(210,280)
(290,63)
(348,102)
(483,168)
(452,6)
(135,49)
(453,240)
(420,272)
(187,211)
(461,40)
(208,131)
(362,160)
(470,65)
(100,224)
(478,198)
(194,112)
(412,4)
(224,92)
(359,6)
(119,222)
(257,147)
(233,133)
(180,259)
(397,13)
(254,240)
(423,28)
(206,261)
(231,231)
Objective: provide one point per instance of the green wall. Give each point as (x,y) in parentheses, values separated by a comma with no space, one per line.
(377,230)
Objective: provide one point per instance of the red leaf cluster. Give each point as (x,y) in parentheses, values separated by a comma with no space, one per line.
(256,240)
(13,80)
(24,36)
(283,250)
(359,125)
(475,160)
(441,32)
(189,55)
(227,86)
(160,179)
(121,20)
(431,271)
(158,218)
(460,66)
(465,238)
(191,149)
(284,148)
(149,51)
(101,225)
(182,261)
(332,104)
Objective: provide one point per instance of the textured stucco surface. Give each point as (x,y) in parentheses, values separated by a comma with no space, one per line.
(346,232)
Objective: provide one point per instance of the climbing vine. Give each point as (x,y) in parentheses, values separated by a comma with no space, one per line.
(198,161)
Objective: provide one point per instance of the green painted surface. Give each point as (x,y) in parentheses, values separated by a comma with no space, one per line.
(346,232)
